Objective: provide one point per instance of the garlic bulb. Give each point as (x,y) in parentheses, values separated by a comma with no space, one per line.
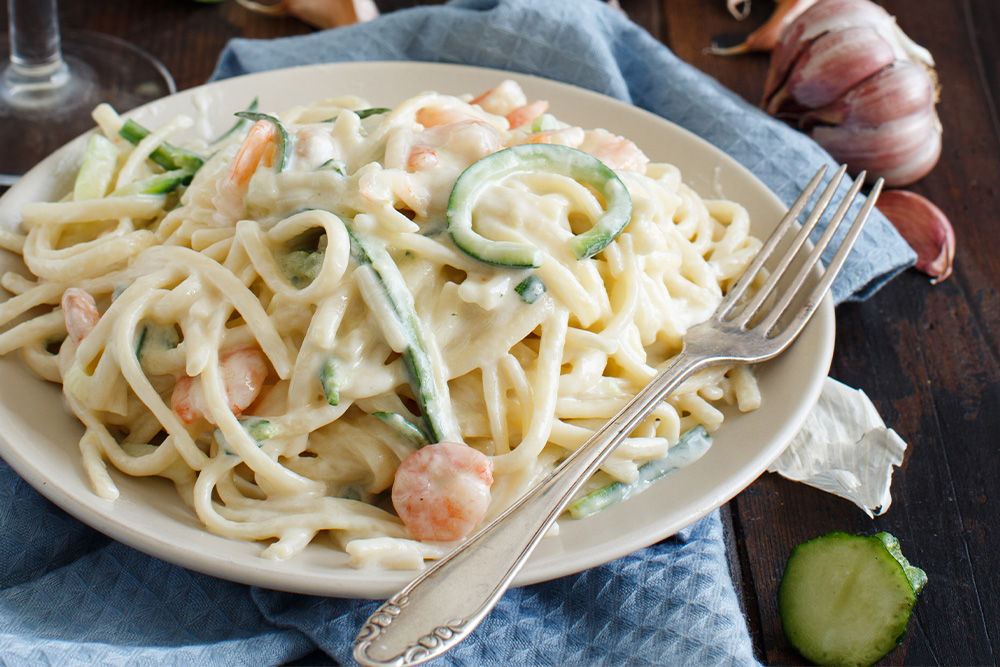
(847,75)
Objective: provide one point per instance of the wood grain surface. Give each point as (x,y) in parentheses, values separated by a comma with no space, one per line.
(926,355)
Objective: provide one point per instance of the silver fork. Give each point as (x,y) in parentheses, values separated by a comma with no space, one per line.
(449,600)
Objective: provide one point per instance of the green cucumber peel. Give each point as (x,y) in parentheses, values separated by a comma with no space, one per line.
(257,428)
(373,111)
(691,446)
(531,289)
(552,158)
(545,123)
(152,335)
(331,381)
(301,266)
(334,165)
(916,576)
(157,184)
(166,155)
(413,434)
(283,147)
(363,113)
(429,390)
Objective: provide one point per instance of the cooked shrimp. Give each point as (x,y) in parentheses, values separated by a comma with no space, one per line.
(242,372)
(567,136)
(436,116)
(466,141)
(614,151)
(501,99)
(313,147)
(80,312)
(526,113)
(442,491)
(257,149)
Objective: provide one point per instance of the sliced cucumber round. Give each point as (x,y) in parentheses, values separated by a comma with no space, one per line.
(845,599)
(551,158)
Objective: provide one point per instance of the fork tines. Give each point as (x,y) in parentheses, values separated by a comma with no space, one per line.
(747,316)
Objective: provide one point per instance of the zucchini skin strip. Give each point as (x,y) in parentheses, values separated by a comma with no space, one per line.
(166,155)
(430,390)
(330,381)
(157,184)
(691,446)
(553,158)
(404,428)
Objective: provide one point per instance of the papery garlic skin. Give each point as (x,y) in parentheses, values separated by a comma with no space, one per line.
(847,75)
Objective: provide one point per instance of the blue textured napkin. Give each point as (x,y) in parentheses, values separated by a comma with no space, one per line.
(71,596)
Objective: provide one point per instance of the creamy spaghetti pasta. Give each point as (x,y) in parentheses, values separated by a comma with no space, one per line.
(277,319)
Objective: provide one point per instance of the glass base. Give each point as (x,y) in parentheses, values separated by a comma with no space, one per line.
(37,117)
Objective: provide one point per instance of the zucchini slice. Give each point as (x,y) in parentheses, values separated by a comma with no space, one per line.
(407,430)
(166,155)
(331,381)
(97,170)
(385,291)
(531,289)
(552,158)
(846,599)
(691,446)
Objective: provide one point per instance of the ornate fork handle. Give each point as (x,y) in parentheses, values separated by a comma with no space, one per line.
(444,604)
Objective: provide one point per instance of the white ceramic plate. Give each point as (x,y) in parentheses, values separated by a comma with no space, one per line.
(38,436)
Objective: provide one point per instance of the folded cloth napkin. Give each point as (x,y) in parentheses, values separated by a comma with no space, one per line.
(69,595)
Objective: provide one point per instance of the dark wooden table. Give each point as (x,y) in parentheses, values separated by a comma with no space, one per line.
(927,355)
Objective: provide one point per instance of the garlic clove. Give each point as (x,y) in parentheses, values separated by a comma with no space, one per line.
(902,89)
(918,164)
(925,227)
(900,151)
(830,66)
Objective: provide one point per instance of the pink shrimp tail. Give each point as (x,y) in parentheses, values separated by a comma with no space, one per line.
(527,113)
(422,157)
(80,313)
(242,372)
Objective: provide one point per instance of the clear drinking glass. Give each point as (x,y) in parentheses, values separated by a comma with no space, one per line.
(52,82)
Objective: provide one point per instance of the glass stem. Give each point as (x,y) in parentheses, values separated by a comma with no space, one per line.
(35,47)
